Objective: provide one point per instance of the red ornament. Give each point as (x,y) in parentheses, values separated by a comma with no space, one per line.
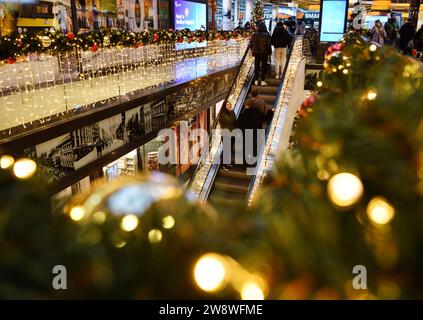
(94,47)
(137,44)
(413,52)
(11,60)
(180,39)
(156,37)
(203,37)
(70,36)
(334,48)
(306,105)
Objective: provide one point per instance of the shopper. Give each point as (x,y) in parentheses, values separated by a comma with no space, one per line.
(250,121)
(299,31)
(418,39)
(261,50)
(391,28)
(247,26)
(255,101)
(378,32)
(291,25)
(281,39)
(406,34)
(227,120)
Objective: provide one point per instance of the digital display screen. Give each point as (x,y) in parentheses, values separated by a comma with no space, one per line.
(333,20)
(190,15)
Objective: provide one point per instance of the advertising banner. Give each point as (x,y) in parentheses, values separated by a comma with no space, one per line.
(190,15)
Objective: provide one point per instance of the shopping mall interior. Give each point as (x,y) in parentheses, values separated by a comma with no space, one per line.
(211,149)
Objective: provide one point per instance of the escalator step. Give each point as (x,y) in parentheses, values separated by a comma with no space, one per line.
(226,202)
(231,187)
(266,89)
(273,82)
(234,174)
(268,97)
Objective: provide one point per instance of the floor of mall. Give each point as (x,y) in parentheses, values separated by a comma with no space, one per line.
(219,149)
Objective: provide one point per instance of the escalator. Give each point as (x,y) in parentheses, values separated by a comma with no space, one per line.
(228,189)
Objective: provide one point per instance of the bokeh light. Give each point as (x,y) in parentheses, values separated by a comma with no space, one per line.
(252,291)
(209,272)
(344,189)
(155,236)
(24,168)
(129,222)
(380,211)
(77,213)
(168,222)
(6,161)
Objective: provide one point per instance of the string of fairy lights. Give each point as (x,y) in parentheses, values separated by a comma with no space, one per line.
(43,87)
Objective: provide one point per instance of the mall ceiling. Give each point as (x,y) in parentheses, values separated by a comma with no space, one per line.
(397,5)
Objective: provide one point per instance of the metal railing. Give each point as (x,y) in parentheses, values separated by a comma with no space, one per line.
(207,166)
(275,103)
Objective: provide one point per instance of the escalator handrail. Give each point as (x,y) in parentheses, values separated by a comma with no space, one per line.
(218,115)
(275,104)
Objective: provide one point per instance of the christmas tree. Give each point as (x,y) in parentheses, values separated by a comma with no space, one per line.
(349,193)
(257,14)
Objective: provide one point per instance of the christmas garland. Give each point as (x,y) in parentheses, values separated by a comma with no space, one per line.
(19,44)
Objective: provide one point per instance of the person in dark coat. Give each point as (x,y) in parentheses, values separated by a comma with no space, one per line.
(418,39)
(406,33)
(261,50)
(251,118)
(227,120)
(280,40)
(391,28)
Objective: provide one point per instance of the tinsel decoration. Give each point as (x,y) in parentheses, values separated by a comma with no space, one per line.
(18,45)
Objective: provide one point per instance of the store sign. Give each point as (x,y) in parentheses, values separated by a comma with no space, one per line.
(333,20)
(312,15)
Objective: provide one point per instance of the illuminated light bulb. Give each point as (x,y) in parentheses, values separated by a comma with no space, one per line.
(345,71)
(348,64)
(6,161)
(252,291)
(371,95)
(373,47)
(319,83)
(99,217)
(344,189)
(24,168)
(77,213)
(340,67)
(129,222)
(155,236)
(168,222)
(380,211)
(209,272)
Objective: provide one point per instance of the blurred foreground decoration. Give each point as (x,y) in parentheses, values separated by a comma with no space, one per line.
(350,192)
(133,238)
